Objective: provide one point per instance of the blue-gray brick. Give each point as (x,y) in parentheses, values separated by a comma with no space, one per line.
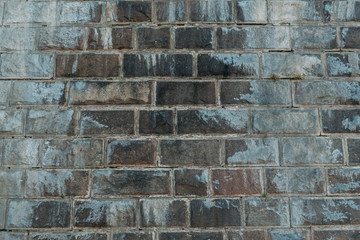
(171,11)
(251,11)
(284,234)
(4,92)
(314,37)
(341,121)
(30,12)
(344,180)
(12,122)
(295,11)
(68,235)
(211,11)
(12,183)
(21,152)
(79,12)
(343,64)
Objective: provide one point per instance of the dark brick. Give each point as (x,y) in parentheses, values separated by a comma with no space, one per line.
(38,214)
(163,213)
(103,213)
(251,11)
(191,235)
(246,235)
(215,212)
(341,121)
(133,236)
(157,64)
(194,38)
(131,182)
(282,234)
(171,11)
(350,37)
(233,182)
(211,11)
(336,234)
(130,11)
(153,38)
(191,182)
(156,122)
(109,38)
(190,152)
(212,121)
(344,180)
(174,93)
(87,65)
(107,122)
(70,236)
(131,152)
(354,151)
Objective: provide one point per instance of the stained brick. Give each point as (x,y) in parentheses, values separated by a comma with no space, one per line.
(131,152)
(211,11)
(70,235)
(176,93)
(191,182)
(251,11)
(4,92)
(2,214)
(343,65)
(171,11)
(341,121)
(129,11)
(295,180)
(295,11)
(336,234)
(12,236)
(133,236)
(191,235)
(190,152)
(350,37)
(212,121)
(107,122)
(156,122)
(153,38)
(61,38)
(246,235)
(80,12)
(21,152)
(11,122)
(87,65)
(343,180)
(29,12)
(109,38)
(354,151)
(294,234)
(163,213)
(38,214)
(215,212)
(194,38)
(18,38)
(340,11)
(314,37)
(12,183)
(131,182)
(112,93)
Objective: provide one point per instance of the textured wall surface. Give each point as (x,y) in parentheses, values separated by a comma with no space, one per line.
(174,120)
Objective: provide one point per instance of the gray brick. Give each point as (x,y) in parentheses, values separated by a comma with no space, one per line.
(326,211)
(38,93)
(354,151)
(251,11)
(190,152)
(2,214)
(314,37)
(285,121)
(341,121)
(282,234)
(292,65)
(336,234)
(156,122)
(68,235)
(149,38)
(343,65)
(267,212)
(21,152)
(4,92)
(109,38)
(256,92)
(13,236)
(171,11)
(38,214)
(194,38)
(79,12)
(339,11)
(246,234)
(350,36)
(11,122)
(211,11)
(131,182)
(105,213)
(191,182)
(18,38)
(60,38)
(163,213)
(30,12)
(191,235)
(12,183)
(344,180)
(295,180)
(129,11)
(295,11)
(133,236)
(309,151)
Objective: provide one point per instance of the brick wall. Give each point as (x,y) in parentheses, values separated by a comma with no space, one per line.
(173,120)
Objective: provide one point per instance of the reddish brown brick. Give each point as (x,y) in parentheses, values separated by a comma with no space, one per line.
(191,182)
(156,122)
(130,11)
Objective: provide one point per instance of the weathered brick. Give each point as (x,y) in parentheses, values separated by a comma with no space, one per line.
(341,11)
(228,182)
(252,152)
(131,152)
(190,152)
(153,38)
(228,65)
(343,180)
(292,65)
(277,37)
(171,11)
(4,92)
(215,212)
(21,152)
(163,213)
(26,65)
(29,12)
(191,182)
(194,38)
(13,235)
(343,65)
(131,182)
(49,122)
(157,64)
(176,93)
(111,93)
(350,37)
(295,180)
(246,235)
(87,65)
(38,214)
(212,121)
(61,39)
(267,212)
(109,38)
(105,213)
(133,236)
(211,11)
(68,235)
(314,37)
(251,11)
(256,92)
(79,12)
(191,235)
(295,11)
(156,122)
(107,122)
(18,39)
(38,93)
(341,121)
(336,234)
(325,211)
(309,151)
(285,121)
(77,153)
(293,234)
(2,214)
(129,11)
(354,151)
(57,183)
(11,122)
(12,183)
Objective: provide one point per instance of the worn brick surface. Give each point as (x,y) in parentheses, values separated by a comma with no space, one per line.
(12,183)
(29,12)
(77,12)
(341,121)
(191,182)
(294,234)
(171,11)
(193,37)
(156,122)
(354,151)
(343,64)
(343,180)
(248,234)
(13,236)
(191,235)
(336,234)
(129,11)
(251,11)
(211,11)
(21,152)
(321,37)
(109,38)
(11,122)
(71,235)
(4,92)
(133,236)
(153,38)
(61,38)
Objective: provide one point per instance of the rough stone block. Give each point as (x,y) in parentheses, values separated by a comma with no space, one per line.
(61,38)
(13,236)
(336,234)
(156,122)
(133,236)
(11,122)
(153,38)
(171,11)
(282,234)
(129,11)
(12,183)
(350,36)
(21,152)
(343,180)
(191,182)
(295,11)
(251,11)
(18,38)
(353,146)
(2,215)
(191,235)
(341,11)
(341,121)
(194,38)
(246,235)
(29,12)
(109,38)
(343,65)
(68,235)
(79,12)
(211,11)
(4,92)
(314,37)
